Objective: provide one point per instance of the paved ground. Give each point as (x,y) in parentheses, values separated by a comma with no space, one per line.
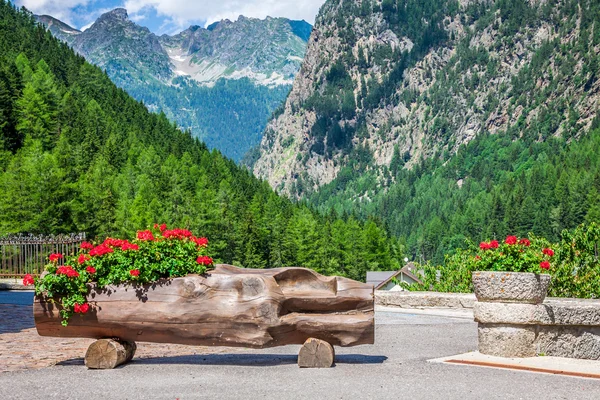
(395,367)
(21,348)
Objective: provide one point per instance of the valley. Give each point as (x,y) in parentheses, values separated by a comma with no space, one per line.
(221,83)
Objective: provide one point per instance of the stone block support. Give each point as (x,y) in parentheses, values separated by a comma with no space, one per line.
(561,328)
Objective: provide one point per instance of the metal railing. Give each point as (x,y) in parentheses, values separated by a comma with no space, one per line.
(22,254)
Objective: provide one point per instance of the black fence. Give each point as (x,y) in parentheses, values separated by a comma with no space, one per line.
(29,254)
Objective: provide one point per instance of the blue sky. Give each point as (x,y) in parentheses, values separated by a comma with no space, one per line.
(172,16)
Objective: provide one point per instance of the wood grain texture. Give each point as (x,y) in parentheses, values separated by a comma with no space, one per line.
(316,353)
(109,353)
(228,306)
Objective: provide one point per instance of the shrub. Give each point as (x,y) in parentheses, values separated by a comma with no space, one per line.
(573,263)
(152,255)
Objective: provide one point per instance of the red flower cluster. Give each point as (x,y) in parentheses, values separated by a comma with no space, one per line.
(134,272)
(28,280)
(82,258)
(204,260)
(55,257)
(145,235)
(162,227)
(91,270)
(548,252)
(81,309)
(525,242)
(202,242)
(130,246)
(176,233)
(101,250)
(511,240)
(491,245)
(68,271)
(545,265)
(87,246)
(114,242)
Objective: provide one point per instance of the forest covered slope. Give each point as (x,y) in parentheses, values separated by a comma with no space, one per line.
(222,83)
(79,154)
(447,119)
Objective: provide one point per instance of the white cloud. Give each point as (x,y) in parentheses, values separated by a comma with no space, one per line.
(177,14)
(62,10)
(181,12)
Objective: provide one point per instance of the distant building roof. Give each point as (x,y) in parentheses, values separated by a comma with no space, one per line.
(376,277)
(381,278)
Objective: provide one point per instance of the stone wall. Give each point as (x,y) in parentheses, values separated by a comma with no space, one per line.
(560,328)
(424,299)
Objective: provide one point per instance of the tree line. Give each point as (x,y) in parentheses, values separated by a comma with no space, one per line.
(79,154)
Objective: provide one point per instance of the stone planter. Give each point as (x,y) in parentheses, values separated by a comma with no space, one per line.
(510,287)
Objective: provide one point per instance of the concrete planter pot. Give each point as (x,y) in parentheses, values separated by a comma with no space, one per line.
(510,287)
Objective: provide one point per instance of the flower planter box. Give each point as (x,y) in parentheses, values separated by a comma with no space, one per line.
(510,287)
(228,306)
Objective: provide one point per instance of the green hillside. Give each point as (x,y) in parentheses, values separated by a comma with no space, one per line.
(448,120)
(79,154)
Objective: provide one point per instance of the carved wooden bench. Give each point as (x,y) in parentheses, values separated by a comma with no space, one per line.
(228,306)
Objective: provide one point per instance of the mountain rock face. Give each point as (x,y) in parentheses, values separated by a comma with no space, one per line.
(399,81)
(237,49)
(236,71)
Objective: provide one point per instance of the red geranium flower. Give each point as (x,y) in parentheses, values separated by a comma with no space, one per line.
(202,242)
(163,227)
(130,246)
(91,270)
(114,242)
(511,240)
(82,258)
(176,233)
(87,246)
(145,235)
(134,272)
(484,246)
(525,242)
(100,250)
(28,280)
(548,252)
(204,260)
(545,265)
(81,309)
(55,257)
(68,271)
(494,244)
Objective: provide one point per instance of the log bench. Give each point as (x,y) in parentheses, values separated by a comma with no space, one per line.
(228,306)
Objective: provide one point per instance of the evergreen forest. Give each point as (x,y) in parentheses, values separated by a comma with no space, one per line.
(79,154)
(541,174)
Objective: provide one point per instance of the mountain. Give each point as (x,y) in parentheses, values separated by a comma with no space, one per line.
(222,83)
(448,119)
(79,154)
(58,28)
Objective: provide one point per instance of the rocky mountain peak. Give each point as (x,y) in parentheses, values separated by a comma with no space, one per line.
(243,69)
(117,13)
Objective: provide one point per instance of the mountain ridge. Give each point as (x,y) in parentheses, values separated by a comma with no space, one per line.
(388,84)
(193,40)
(222,83)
